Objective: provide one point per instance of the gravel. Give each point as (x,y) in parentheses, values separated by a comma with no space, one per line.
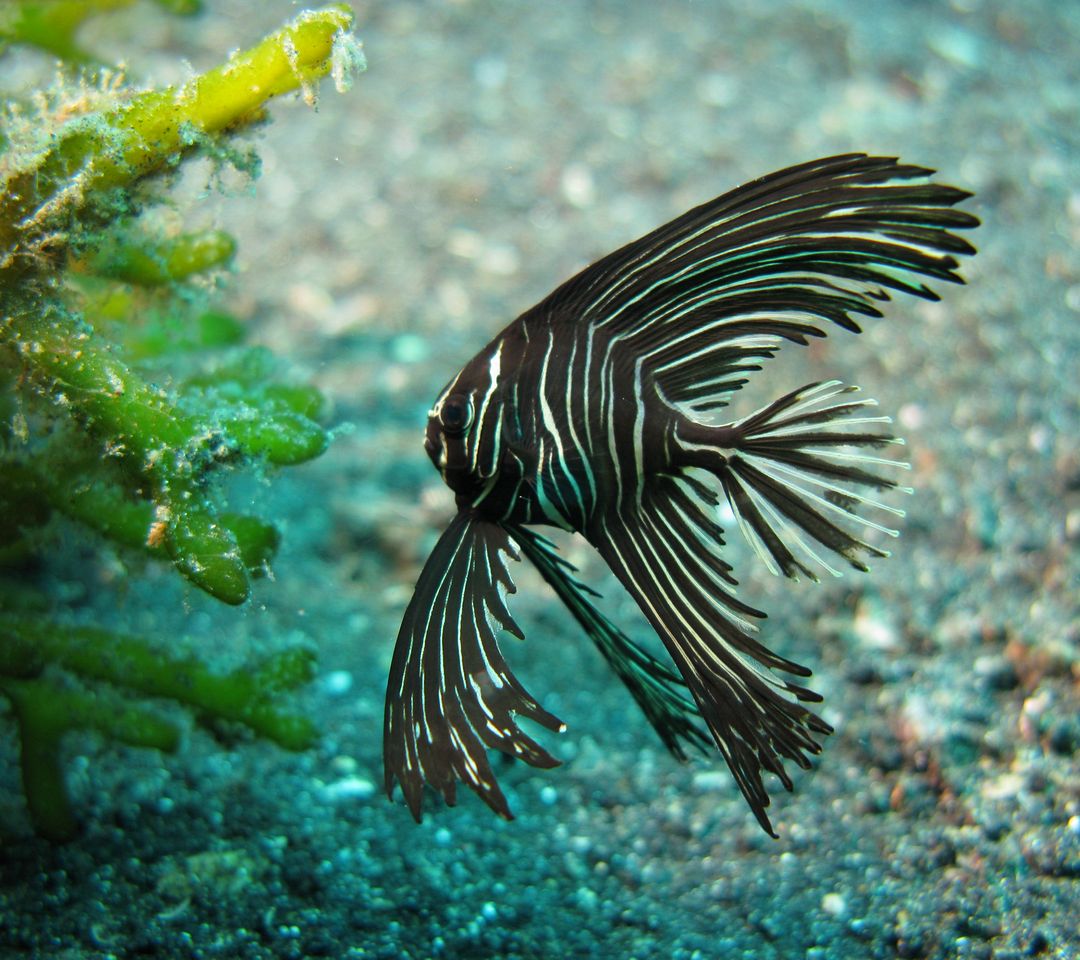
(490,150)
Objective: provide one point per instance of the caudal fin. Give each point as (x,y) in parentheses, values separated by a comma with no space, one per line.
(792,470)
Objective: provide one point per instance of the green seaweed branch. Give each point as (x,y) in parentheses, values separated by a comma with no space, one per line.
(48,705)
(72,192)
(51,25)
(123,395)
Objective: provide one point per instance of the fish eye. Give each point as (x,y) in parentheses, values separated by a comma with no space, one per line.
(455,414)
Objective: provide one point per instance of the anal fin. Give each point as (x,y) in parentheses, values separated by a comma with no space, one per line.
(658,690)
(664,551)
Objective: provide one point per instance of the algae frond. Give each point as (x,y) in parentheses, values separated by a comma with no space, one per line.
(124,393)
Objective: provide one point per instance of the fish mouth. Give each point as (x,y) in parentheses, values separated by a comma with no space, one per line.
(434,446)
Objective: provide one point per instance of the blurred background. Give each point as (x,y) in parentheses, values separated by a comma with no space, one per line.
(491,150)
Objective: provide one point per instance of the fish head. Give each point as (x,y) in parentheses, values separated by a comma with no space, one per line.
(446,439)
(464,430)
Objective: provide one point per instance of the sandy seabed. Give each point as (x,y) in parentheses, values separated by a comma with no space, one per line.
(490,150)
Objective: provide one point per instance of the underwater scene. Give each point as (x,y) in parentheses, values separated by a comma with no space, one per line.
(535,480)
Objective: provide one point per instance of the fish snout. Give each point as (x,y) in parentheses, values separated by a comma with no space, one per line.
(433,444)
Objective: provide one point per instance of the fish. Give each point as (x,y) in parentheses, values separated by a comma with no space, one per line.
(598,412)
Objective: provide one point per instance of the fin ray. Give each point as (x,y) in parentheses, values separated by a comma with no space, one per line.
(825,241)
(656,689)
(756,718)
(792,468)
(450,693)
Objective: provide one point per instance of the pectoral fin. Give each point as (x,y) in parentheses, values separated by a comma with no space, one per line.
(450,694)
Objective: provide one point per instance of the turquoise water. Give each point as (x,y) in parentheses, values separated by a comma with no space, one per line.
(490,151)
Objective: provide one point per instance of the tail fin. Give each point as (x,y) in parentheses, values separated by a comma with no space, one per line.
(790,470)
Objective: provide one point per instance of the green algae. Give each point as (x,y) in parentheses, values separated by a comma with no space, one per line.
(149,261)
(66,212)
(51,25)
(125,394)
(47,705)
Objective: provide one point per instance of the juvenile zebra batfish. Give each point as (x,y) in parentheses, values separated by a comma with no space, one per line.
(596,411)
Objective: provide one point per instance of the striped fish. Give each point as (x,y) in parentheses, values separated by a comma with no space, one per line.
(596,412)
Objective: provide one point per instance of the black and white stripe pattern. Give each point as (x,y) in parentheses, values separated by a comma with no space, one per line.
(589,412)
(446,699)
